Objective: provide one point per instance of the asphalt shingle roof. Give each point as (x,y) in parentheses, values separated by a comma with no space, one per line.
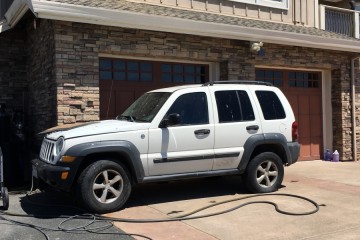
(203,16)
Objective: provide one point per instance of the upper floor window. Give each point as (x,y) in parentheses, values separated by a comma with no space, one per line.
(283,4)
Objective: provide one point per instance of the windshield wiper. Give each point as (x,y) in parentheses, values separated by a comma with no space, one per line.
(129,118)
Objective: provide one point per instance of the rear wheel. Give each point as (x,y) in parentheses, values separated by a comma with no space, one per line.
(104,186)
(264,173)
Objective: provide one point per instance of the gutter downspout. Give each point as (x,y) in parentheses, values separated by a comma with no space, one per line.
(353,110)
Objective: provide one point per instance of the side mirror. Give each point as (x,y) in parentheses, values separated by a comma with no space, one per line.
(173,119)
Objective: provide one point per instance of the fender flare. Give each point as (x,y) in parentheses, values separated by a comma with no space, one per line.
(122,147)
(262,139)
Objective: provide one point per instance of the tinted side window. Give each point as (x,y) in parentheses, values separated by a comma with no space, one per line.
(246,109)
(192,107)
(270,105)
(234,106)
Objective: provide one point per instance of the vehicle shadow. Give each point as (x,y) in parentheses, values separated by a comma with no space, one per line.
(155,193)
(52,203)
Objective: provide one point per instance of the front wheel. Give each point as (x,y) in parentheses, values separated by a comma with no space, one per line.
(104,186)
(264,173)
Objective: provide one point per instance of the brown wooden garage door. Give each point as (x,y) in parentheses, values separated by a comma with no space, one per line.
(123,80)
(303,90)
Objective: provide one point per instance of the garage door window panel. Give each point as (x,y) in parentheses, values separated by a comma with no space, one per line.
(184,73)
(126,70)
(304,79)
(270,76)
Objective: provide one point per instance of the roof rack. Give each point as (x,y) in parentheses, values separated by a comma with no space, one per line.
(237,82)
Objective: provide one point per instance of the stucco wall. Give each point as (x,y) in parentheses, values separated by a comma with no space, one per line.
(79,45)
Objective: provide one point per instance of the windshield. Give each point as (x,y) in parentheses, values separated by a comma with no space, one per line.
(145,108)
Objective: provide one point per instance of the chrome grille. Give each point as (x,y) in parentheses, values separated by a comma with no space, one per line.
(47,150)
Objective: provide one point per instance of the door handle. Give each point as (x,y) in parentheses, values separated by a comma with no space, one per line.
(202,131)
(252,127)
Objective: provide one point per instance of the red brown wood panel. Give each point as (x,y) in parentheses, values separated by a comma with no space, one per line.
(303,90)
(122,95)
(307,107)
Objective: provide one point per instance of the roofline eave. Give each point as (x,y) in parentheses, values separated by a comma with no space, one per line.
(127,19)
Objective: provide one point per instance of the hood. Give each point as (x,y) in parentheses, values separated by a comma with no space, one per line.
(96,128)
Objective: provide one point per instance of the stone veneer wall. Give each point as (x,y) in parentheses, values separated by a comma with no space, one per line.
(357,104)
(41,77)
(77,74)
(78,47)
(13,70)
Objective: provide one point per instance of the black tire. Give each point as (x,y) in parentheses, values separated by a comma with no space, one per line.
(112,183)
(264,173)
(5,198)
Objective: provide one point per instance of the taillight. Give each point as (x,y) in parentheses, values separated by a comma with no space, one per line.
(295,132)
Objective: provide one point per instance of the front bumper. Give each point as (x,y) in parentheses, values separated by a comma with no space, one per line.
(51,174)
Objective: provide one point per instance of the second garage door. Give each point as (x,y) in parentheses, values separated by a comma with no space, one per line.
(303,90)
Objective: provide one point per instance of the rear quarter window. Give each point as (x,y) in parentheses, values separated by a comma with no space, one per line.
(270,105)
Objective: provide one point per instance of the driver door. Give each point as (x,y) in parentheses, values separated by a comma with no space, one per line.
(188,145)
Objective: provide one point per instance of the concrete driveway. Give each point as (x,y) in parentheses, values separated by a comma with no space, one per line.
(335,186)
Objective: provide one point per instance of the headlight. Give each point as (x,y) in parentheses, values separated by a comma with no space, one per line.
(59,145)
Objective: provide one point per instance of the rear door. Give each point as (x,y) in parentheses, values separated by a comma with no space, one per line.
(235,121)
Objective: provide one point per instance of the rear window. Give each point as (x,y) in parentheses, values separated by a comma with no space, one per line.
(270,105)
(234,106)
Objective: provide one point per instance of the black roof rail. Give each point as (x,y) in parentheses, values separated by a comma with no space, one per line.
(237,82)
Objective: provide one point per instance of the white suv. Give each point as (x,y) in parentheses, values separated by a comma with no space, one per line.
(219,128)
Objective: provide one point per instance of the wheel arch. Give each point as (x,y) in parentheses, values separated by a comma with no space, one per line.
(122,152)
(270,142)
